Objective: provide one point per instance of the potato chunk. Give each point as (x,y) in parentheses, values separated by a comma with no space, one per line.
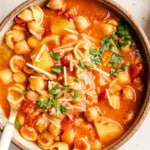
(108,130)
(92,113)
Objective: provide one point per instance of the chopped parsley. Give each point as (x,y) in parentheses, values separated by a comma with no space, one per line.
(66,87)
(55,90)
(95,59)
(75,95)
(18,123)
(57,69)
(106,44)
(94,52)
(78,80)
(55,56)
(25,92)
(116,59)
(63,109)
(84,66)
(42,103)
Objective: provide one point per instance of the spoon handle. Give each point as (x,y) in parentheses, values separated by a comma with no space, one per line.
(6,136)
(8,130)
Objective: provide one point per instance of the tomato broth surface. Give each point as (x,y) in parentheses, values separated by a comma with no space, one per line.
(76,73)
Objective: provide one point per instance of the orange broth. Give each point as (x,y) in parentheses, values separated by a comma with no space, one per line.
(85,133)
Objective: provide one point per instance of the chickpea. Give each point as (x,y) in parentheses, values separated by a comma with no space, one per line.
(19,77)
(107,28)
(56,4)
(33,42)
(81,23)
(6,76)
(68,136)
(21,47)
(115,101)
(92,113)
(115,88)
(37,83)
(96,145)
(32,95)
(128,93)
(18,35)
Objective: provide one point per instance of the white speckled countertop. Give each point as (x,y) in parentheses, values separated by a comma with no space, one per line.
(141,12)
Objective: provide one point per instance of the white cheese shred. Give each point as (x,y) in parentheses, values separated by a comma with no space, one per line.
(51,76)
(65,75)
(71,31)
(66,45)
(108,96)
(37,58)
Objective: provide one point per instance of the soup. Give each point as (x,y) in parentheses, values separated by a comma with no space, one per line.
(76,73)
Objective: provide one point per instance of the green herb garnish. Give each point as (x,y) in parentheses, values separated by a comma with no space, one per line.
(66,87)
(63,109)
(75,95)
(94,52)
(42,103)
(25,92)
(95,59)
(56,90)
(106,44)
(85,66)
(18,123)
(55,56)
(78,80)
(56,69)
(116,59)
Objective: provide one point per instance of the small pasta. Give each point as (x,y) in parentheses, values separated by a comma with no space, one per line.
(29,133)
(76,75)
(82,23)
(45,140)
(59,146)
(56,4)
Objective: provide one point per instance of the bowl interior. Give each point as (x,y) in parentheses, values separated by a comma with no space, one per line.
(145,47)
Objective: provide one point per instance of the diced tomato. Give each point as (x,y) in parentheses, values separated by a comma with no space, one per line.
(102,95)
(28,107)
(65,61)
(20,21)
(66,124)
(136,70)
(30,120)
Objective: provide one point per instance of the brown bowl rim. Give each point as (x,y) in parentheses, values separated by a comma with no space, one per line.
(130,19)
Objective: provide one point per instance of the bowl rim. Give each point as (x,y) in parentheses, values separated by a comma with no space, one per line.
(118,9)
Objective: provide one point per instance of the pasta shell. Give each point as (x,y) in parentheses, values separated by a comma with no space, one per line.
(45,140)
(17,63)
(15,95)
(29,133)
(59,146)
(38,14)
(36,29)
(26,15)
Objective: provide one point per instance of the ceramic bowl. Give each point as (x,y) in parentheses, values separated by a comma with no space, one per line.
(143,42)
